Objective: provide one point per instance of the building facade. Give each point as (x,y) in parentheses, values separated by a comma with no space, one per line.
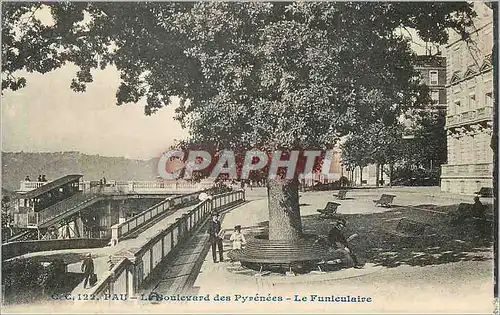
(469,120)
(433,73)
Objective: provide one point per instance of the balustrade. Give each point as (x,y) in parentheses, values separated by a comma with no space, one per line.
(470,116)
(115,186)
(141,267)
(27,186)
(121,230)
(467,170)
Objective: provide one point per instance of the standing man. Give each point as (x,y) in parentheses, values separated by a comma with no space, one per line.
(88,270)
(216,235)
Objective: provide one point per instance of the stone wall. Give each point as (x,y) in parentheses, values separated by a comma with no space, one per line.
(14,249)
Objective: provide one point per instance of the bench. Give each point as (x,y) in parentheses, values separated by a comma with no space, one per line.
(341,194)
(330,210)
(408,229)
(485,192)
(385,200)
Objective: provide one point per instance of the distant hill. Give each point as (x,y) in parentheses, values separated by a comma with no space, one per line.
(17,165)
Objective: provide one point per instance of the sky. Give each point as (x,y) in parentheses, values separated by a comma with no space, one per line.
(47,116)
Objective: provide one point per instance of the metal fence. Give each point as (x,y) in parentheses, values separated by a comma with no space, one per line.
(123,229)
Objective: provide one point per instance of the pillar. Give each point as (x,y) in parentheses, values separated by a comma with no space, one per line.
(78,227)
(122,215)
(131,280)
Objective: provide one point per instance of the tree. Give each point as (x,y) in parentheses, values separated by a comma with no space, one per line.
(378,143)
(252,75)
(7,218)
(356,153)
(429,141)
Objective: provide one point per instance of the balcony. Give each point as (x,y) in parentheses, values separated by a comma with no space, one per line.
(467,170)
(27,186)
(469,117)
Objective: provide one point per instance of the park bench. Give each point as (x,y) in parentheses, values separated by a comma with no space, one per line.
(408,229)
(385,200)
(485,192)
(341,194)
(329,211)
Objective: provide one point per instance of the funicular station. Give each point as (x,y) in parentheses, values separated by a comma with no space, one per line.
(135,229)
(69,207)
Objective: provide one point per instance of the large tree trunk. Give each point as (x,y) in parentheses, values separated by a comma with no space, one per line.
(382,173)
(361,176)
(391,167)
(378,175)
(284,212)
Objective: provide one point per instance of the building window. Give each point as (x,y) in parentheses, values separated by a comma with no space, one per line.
(435,97)
(456,107)
(433,77)
(462,187)
(474,148)
(472,101)
(488,100)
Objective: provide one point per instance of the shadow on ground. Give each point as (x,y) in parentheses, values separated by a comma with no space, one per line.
(442,242)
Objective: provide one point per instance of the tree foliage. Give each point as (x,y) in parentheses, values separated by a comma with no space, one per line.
(6,218)
(428,142)
(378,143)
(240,158)
(422,147)
(267,74)
(249,74)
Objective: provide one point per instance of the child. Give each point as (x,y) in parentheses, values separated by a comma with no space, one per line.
(237,238)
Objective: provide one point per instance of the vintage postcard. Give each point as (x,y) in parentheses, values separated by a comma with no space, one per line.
(249,157)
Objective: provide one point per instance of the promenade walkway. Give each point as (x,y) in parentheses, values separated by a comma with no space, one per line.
(182,272)
(101,261)
(461,286)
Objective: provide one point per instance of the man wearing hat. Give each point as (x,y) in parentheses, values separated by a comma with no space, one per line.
(88,270)
(340,243)
(216,235)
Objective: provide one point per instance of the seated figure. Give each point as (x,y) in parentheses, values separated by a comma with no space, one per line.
(468,211)
(478,209)
(339,252)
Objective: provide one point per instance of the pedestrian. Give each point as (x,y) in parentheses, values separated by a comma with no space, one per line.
(39,178)
(216,235)
(110,262)
(237,238)
(27,179)
(88,271)
(43,178)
